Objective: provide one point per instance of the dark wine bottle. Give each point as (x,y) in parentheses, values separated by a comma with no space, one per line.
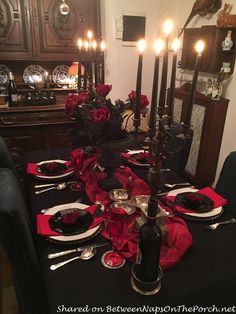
(149,246)
(12,91)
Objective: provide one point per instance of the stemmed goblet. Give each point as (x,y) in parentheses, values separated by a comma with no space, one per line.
(79,185)
(114,225)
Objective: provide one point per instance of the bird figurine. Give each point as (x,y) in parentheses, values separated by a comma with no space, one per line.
(202,7)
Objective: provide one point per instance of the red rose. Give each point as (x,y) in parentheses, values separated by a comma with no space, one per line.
(83,97)
(132,95)
(72,102)
(71,217)
(103,89)
(52,166)
(100,115)
(144,102)
(77,157)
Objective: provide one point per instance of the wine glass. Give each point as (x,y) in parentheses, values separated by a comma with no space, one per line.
(79,185)
(114,225)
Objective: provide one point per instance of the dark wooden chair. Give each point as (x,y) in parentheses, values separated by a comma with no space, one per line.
(226,184)
(17,240)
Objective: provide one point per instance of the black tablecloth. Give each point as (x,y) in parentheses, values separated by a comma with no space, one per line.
(205,276)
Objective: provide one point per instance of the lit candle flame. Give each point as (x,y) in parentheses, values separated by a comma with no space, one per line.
(94,44)
(141,45)
(176,44)
(86,45)
(80,43)
(168,27)
(159,45)
(89,35)
(199,47)
(103,45)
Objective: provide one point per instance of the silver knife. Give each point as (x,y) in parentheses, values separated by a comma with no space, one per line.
(52,184)
(79,249)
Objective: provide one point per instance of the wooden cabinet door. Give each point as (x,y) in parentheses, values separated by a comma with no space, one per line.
(36,30)
(58,33)
(15,36)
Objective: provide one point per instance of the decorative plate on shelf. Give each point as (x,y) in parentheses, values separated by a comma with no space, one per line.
(4,74)
(78,237)
(201,216)
(34,74)
(60,74)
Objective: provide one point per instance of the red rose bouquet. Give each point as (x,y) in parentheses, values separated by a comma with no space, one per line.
(97,120)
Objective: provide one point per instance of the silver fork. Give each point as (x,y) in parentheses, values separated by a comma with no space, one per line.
(216,225)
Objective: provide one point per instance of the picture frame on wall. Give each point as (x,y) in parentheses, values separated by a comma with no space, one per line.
(134,27)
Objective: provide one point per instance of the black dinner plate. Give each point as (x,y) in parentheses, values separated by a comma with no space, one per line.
(52,168)
(71,221)
(195,202)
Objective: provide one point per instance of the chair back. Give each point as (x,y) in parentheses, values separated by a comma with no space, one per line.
(17,240)
(5,157)
(226,184)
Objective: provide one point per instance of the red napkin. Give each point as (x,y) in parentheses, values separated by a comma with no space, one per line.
(32,168)
(93,190)
(178,241)
(216,198)
(43,227)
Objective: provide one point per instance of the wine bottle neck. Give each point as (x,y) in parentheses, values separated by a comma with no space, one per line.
(152,211)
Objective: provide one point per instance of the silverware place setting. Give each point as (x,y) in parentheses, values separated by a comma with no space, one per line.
(85,255)
(58,187)
(52,186)
(37,186)
(171,186)
(217,224)
(78,249)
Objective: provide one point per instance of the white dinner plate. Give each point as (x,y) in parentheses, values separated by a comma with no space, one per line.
(75,237)
(214,213)
(64,175)
(134,162)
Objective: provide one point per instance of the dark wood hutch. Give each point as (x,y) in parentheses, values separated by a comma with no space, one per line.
(213,56)
(34,32)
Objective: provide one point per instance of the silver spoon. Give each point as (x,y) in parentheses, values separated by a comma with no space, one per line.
(168,185)
(216,225)
(60,186)
(85,255)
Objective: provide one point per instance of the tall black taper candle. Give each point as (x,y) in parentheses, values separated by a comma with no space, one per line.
(170,108)
(152,119)
(141,47)
(102,75)
(79,76)
(162,98)
(168,26)
(187,121)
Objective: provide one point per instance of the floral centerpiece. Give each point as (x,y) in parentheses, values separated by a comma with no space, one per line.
(97,119)
(99,124)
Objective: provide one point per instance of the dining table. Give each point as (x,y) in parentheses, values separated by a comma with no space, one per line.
(203,280)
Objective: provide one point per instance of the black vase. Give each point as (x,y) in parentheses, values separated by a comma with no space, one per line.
(111,159)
